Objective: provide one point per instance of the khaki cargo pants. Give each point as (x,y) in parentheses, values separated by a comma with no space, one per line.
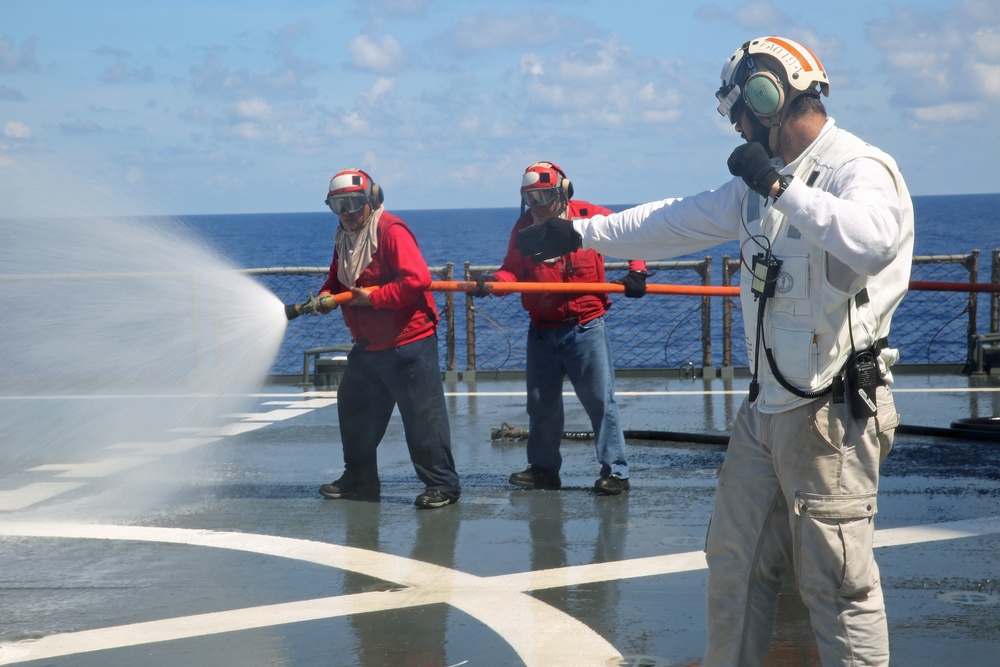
(799,489)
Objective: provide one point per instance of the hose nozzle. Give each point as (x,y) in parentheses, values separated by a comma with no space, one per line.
(311,307)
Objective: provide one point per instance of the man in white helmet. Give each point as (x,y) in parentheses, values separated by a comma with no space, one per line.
(826,226)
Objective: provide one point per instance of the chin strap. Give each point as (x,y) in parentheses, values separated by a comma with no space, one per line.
(772,138)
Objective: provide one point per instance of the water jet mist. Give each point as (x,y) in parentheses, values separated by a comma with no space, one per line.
(121,335)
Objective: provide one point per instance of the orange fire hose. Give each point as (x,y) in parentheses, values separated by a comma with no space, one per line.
(314,305)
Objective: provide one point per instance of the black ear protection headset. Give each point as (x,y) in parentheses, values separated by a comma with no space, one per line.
(375,194)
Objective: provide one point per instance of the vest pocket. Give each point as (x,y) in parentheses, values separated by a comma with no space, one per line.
(795,353)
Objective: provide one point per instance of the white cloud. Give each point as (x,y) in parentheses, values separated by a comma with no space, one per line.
(380,88)
(943,67)
(384,55)
(488,31)
(17,130)
(253,109)
(347,124)
(948,113)
(602,84)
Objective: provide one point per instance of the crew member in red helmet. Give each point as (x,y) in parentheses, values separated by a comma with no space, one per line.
(394,362)
(567,337)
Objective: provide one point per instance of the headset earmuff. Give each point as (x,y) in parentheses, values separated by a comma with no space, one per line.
(764,94)
(565,183)
(375,194)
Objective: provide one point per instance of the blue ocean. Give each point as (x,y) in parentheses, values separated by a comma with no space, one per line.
(945,224)
(933,329)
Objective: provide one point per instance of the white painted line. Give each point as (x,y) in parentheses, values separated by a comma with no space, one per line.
(316,403)
(175,446)
(32,494)
(275,415)
(96,469)
(536,631)
(953,530)
(312,403)
(225,430)
(610,571)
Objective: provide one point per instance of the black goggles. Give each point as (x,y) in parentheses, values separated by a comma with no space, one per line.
(539,197)
(351,203)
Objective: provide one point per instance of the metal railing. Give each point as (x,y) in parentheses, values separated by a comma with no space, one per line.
(935,331)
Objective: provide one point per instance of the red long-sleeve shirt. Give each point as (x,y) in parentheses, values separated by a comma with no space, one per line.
(401,311)
(581,266)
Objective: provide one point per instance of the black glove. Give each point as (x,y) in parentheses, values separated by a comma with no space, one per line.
(750,162)
(553,238)
(481,290)
(635,283)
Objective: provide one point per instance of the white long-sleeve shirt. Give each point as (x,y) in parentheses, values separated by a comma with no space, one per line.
(835,236)
(857,220)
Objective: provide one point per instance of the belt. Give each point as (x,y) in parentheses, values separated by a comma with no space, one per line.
(555,324)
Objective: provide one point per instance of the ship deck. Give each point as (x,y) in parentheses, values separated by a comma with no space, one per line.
(231,558)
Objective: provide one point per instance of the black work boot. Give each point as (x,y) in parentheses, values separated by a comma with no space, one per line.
(535,478)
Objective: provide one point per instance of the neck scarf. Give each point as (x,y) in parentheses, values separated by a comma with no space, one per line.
(356,249)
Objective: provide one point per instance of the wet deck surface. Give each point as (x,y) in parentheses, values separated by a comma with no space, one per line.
(238,561)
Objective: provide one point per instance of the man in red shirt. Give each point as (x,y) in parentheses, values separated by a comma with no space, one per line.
(394,362)
(566,337)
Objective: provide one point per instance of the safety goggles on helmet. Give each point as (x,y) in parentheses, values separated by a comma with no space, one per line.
(730,102)
(539,196)
(349,203)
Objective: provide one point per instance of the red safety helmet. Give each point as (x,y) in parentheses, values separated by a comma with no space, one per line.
(542,183)
(351,189)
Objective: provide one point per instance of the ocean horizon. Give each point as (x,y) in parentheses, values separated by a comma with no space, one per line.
(944,225)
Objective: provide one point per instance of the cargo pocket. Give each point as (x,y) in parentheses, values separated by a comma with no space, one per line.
(886,421)
(833,544)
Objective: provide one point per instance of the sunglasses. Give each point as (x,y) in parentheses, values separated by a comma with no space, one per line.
(542,197)
(347,203)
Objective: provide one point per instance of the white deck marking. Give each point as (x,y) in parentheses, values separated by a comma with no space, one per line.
(95,469)
(312,403)
(274,415)
(31,494)
(222,431)
(499,605)
(144,452)
(175,446)
(499,602)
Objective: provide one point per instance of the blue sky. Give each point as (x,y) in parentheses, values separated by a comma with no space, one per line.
(214,106)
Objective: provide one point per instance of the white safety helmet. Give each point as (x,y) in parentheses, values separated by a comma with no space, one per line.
(765,75)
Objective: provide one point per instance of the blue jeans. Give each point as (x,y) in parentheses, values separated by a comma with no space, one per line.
(581,352)
(374,383)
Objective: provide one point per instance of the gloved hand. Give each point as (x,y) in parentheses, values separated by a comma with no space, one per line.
(481,290)
(325,303)
(553,238)
(635,283)
(750,162)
